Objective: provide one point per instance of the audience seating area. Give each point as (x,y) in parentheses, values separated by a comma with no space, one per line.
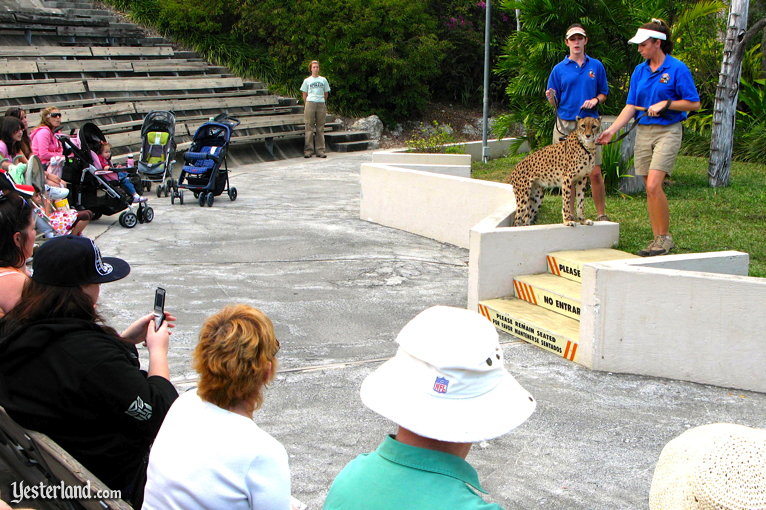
(96,67)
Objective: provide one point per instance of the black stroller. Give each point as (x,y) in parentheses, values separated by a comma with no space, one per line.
(206,172)
(94,188)
(158,150)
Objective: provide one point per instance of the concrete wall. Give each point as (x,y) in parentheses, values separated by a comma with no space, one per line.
(448,164)
(440,207)
(498,148)
(499,253)
(696,326)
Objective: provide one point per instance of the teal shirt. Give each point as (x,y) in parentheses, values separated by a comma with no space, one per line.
(398,476)
(315,88)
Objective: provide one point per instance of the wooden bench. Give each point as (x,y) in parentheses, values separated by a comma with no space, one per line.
(45,51)
(147,84)
(88,113)
(132,51)
(36,459)
(82,66)
(34,107)
(196,95)
(181,105)
(110,31)
(18,66)
(56,89)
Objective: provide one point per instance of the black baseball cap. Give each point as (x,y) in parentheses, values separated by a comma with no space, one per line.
(71,261)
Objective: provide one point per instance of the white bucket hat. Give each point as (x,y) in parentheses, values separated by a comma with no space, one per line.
(447,380)
(721,466)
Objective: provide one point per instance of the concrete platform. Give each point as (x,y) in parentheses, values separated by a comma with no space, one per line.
(339,289)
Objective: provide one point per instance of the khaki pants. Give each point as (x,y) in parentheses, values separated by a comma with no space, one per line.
(314,115)
(656,147)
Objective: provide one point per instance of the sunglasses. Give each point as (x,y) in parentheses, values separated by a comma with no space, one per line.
(4,195)
(54,115)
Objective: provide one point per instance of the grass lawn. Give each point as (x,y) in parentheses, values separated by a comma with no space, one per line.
(701,218)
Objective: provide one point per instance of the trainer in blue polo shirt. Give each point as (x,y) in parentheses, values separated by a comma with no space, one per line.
(445,388)
(671,80)
(576,86)
(661,93)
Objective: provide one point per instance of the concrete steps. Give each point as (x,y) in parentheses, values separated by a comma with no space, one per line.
(545,307)
(347,141)
(568,264)
(548,330)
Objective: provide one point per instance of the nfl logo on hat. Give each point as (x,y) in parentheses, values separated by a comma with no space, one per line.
(440,385)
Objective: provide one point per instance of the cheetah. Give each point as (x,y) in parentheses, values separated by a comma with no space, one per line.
(567,164)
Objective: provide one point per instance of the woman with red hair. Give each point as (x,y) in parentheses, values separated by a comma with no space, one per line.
(234,463)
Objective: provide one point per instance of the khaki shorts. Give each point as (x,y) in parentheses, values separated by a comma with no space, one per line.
(569,126)
(656,148)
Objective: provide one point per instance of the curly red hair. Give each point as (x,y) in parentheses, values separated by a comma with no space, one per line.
(235,356)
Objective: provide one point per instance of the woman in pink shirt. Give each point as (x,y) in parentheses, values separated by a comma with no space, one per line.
(45,145)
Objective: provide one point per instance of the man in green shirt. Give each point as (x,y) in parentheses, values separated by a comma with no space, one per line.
(445,388)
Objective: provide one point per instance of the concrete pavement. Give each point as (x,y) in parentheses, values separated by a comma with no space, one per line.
(338,290)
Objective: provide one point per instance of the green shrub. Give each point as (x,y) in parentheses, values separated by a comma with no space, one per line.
(613,168)
(434,140)
(379,55)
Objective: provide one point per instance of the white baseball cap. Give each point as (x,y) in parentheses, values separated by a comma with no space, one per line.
(447,380)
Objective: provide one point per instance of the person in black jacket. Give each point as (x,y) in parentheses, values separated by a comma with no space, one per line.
(65,373)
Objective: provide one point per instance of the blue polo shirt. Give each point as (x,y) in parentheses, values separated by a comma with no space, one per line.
(575,84)
(398,476)
(672,80)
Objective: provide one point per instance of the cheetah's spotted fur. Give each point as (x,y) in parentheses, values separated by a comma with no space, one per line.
(567,164)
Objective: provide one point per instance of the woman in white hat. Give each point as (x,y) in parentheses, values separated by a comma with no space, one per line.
(663,87)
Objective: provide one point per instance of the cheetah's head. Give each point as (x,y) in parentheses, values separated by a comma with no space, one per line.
(588,129)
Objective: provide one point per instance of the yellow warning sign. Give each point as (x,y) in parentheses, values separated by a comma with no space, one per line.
(554,302)
(565,268)
(534,334)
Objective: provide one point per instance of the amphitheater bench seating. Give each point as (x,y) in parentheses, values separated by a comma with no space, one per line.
(36,458)
(97,68)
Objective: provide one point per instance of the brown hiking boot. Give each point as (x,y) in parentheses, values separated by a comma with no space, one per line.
(603,217)
(646,251)
(662,246)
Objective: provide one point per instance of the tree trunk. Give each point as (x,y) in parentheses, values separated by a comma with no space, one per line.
(725,109)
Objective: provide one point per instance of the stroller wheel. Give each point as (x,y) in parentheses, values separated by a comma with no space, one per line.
(159,191)
(181,197)
(148,215)
(202,197)
(209,199)
(128,219)
(196,194)
(96,215)
(167,190)
(232,194)
(148,186)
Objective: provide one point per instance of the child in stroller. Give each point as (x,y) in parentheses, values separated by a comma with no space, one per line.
(97,189)
(105,160)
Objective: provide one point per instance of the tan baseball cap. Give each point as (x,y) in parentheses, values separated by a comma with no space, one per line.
(574,31)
